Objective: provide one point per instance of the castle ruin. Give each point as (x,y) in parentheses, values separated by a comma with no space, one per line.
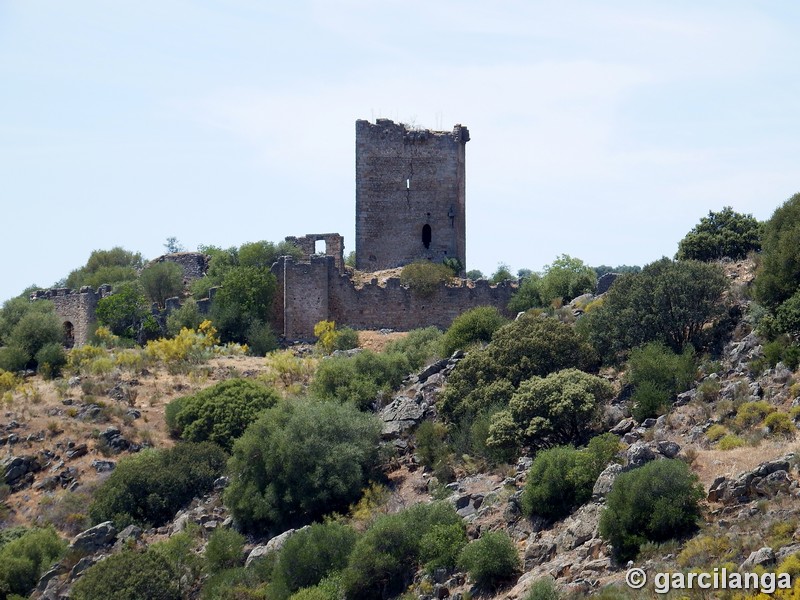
(410,206)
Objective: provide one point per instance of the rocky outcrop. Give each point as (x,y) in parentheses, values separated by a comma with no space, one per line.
(767,480)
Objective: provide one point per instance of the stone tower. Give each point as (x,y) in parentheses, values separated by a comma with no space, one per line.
(409,195)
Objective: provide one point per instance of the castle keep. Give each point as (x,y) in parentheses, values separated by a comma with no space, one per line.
(410,195)
(410,206)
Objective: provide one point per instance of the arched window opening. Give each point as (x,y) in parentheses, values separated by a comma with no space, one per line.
(426,236)
(69,334)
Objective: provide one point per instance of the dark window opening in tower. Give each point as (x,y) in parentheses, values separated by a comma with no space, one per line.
(426,236)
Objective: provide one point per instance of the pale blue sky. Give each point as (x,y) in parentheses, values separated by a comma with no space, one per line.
(601,130)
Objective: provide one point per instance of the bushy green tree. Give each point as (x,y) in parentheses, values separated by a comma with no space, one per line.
(562,478)
(668,301)
(224,550)
(561,408)
(384,559)
(475,274)
(299,461)
(161,280)
(502,273)
(24,558)
(148,488)
(243,301)
(113,267)
(654,503)
(188,316)
(566,278)
(530,346)
(311,555)
(620,269)
(129,575)
(778,276)
(658,374)
(127,314)
(424,277)
(491,559)
(418,346)
(50,359)
(219,413)
(25,329)
(721,234)
(474,326)
(439,548)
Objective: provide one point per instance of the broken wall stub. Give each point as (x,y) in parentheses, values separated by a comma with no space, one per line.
(334,246)
(410,194)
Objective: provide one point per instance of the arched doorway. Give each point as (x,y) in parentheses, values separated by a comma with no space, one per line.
(69,334)
(426,236)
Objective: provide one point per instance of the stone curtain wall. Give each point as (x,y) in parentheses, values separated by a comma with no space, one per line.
(316,291)
(407,179)
(76,307)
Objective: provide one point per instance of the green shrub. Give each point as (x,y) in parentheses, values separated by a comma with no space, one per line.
(24,556)
(129,575)
(780,423)
(424,277)
(719,235)
(530,346)
(418,346)
(50,359)
(527,295)
(149,487)
(300,460)
(440,547)
(243,302)
(261,340)
(752,413)
(566,278)
(502,273)
(716,433)
(562,408)
(220,413)
(654,503)
(669,302)
(161,280)
(310,555)
(358,379)
(224,550)
(187,316)
(543,589)
(346,340)
(649,400)
(562,478)
(730,442)
(432,448)
(659,365)
(127,314)
(490,560)
(474,326)
(384,559)
(241,583)
(329,588)
(788,315)
(13,359)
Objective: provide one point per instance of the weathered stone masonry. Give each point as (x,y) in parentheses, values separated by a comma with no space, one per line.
(309,292)
(76,309)
(410,195)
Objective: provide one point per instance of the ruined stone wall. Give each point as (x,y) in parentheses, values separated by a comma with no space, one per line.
(303,294)
(316,291)
(334,246)
(193,264)
(410,194)
(75,309)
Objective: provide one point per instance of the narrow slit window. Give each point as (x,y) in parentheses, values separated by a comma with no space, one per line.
(408,184)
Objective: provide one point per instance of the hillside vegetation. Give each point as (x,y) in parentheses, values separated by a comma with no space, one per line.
(528,458)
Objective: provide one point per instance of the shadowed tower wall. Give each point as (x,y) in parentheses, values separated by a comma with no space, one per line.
(410,195)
